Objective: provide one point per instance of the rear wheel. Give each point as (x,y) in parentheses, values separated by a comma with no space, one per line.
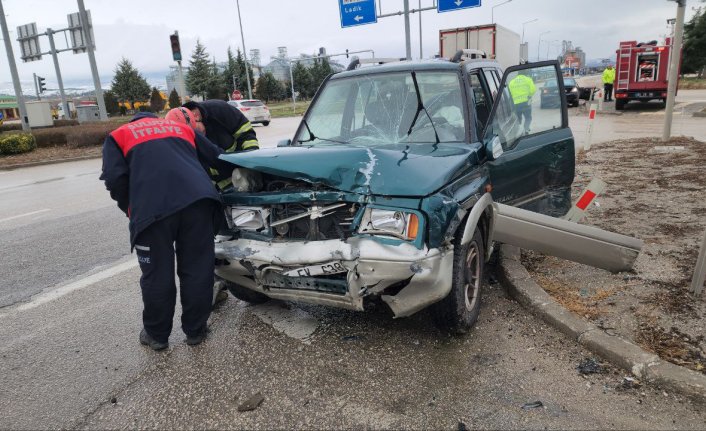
(459,311)
(265,123)
(619,105)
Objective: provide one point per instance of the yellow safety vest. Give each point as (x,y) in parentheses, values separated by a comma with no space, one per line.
(521,89)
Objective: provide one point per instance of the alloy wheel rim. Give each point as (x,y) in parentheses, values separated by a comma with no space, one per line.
(472,285)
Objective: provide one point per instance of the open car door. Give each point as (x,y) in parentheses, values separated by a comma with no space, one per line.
(529,122)
(531,159)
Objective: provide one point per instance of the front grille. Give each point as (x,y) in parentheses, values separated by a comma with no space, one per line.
(336,224)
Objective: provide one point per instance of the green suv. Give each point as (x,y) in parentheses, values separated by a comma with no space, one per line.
(384,194)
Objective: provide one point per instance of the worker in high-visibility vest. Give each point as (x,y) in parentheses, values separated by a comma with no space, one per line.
(522,89)
(608,80)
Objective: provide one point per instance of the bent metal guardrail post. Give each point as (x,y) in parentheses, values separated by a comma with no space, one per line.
(697,283)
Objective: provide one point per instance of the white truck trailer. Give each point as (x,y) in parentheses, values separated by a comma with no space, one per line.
(496,41)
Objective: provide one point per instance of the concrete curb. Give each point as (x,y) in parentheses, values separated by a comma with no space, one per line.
(46,162)
(623,353)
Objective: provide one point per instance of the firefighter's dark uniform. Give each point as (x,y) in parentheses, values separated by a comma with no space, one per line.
(155,170)
(228,128)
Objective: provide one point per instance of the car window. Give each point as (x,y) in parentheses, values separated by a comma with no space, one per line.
(378,109)
(252,103)
(528,105)
(481,100)
(492,83)
(568,82)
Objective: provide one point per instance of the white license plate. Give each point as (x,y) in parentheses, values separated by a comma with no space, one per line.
(645,94)
(322,269)
(259,118)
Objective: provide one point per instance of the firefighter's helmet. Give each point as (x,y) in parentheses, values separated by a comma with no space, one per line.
(181,115)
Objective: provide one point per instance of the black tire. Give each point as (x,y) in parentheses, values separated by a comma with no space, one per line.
(619,105)
(265,123)
(458,312)
(245,294)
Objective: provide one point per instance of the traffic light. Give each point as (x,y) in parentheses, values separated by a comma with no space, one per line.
(41,85)
(176,49)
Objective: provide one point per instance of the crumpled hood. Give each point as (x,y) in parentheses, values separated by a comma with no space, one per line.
(390,170)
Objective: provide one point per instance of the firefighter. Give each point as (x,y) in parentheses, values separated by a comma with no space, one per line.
(522,89)
(225,126)
(608,80)
(156,171)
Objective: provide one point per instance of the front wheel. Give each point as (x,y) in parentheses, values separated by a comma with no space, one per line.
(245,294)
(265,123)
(458,312)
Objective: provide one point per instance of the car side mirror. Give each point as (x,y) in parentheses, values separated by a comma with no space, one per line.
(494,148)
(284,143)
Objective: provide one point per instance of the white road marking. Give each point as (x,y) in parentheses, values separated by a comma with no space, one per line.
(294,323)
(25,215)
(53,294)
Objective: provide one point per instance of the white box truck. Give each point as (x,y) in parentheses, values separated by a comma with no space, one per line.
(496,41)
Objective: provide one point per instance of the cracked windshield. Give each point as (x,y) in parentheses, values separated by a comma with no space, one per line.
(385,109)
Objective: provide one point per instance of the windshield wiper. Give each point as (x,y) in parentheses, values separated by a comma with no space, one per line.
(420,108)
(312,136)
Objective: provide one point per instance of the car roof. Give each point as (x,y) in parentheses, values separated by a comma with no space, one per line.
(415,65)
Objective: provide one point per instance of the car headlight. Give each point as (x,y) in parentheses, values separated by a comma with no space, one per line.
(399,224)
(249,218)
(246,180)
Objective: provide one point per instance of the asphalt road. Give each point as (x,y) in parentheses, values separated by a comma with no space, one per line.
(69,356)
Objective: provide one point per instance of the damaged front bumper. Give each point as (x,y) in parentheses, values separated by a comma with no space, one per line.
(405,277)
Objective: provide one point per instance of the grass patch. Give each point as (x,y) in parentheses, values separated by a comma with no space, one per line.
(692,84)
(284,109)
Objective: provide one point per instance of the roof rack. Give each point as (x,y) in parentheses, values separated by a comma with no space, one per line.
(360,61)
(465,54)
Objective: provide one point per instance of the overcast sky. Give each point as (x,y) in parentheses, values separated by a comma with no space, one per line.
(139,30)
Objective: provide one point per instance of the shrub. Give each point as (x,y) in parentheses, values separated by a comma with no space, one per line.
(88,135)
(50,137)
(9,127)
(62,123)
(16,143)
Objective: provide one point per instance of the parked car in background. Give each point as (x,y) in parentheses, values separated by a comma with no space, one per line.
(573,90)
(254,110)
(384,195)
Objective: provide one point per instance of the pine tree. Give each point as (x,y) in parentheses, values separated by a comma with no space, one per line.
(268,87)
(241,76)
(197,79)
(128,84)
(111,102)
(174,101)
(231,71)
(157,102)
(303,81)
(216,84)
(695,44)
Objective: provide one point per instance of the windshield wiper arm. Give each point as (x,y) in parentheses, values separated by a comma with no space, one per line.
(312,136)
(420,108)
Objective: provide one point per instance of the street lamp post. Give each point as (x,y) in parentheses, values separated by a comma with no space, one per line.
(245,55)
(539,43)
(674,69)
(492,10)
(523,27)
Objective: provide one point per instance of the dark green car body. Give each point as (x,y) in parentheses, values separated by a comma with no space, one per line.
(436,169)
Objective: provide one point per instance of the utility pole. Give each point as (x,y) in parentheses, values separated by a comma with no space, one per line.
(420,31)
(674,69)
(245,55)
(408,42)
(92,61)
(50,33)
(13,71)
(36,87)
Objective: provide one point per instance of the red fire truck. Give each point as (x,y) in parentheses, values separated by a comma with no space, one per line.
(641,72)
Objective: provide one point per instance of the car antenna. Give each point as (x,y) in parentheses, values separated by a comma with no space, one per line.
(420,108)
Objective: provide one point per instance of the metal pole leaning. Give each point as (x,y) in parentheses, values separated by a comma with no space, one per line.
(697,283)
(90,46)
(13,72)
(64,104)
